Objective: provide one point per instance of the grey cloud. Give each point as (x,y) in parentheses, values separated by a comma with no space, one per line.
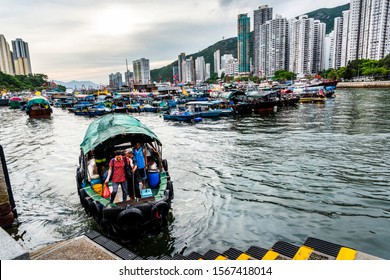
(226,2)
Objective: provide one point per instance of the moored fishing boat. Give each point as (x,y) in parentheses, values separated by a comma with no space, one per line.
(15,102)
(150,108)
(38,107)
(311,95)
(181,116)
(4,101)
(204,109)
(127,218)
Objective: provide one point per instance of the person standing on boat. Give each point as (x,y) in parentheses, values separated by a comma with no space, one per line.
(100,160)
(117,169)
(141,159)
(133,189)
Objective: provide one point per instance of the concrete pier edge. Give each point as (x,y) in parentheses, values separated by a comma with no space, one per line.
(94,246)
(364,84)
(10,249)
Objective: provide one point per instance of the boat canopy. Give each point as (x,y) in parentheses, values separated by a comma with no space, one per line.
(259,94)
(226,95)
(200,103)
(37,100)
(116,128)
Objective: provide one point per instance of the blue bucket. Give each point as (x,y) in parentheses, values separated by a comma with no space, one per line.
(153,179)
(95,181)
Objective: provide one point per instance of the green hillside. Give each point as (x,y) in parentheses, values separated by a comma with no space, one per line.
(229,46)
(328,15)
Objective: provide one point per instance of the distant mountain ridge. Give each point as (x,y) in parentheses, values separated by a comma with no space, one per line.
(77,84)
(229,46)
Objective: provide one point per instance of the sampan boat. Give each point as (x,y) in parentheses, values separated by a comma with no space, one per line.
(133,217)
(38,107)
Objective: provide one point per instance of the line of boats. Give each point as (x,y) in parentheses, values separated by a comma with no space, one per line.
(35,107)
(187,105)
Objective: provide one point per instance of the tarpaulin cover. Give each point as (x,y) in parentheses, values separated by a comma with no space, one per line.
(114,125)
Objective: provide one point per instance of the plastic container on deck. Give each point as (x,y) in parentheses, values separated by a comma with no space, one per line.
(95,181)
(146,193)
(98,188)
(153,179)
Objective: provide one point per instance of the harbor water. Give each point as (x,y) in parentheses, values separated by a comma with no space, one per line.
(308,171)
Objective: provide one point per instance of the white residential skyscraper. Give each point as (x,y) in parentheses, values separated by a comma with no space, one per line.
(189,70)
(217,62)
(141,68)
(225,59)
(368,29)
(21,57)
(200,69)
(379,33)
(337,42)
(260,16)
(181,66)
(300,42)
(317,46)
(208,73)
(115,80)
(345,39)
(6,65)
(328,52)
(307,41)
(273,47)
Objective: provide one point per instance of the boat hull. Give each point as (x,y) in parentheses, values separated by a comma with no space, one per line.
(129,219)
(4,102)
(180,118)
(41,113)
(312,100)
(151,109)
(14,105)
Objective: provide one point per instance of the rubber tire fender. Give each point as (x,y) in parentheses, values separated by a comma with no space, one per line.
(82,195)
(79,179)
(170,188)
(96,211)
(160,210)
(130,220)
(85,201)
(165,165)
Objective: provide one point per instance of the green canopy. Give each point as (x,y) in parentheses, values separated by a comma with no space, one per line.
(37,100)
(116,128)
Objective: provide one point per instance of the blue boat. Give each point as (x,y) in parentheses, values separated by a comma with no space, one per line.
(150,108)
(204,109)
(177,115)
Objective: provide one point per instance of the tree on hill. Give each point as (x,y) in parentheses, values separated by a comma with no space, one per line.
(376,69)
(327,15)
(227,46)
(22,82)
(283,75)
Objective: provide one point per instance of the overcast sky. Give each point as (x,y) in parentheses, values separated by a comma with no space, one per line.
(89,39)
